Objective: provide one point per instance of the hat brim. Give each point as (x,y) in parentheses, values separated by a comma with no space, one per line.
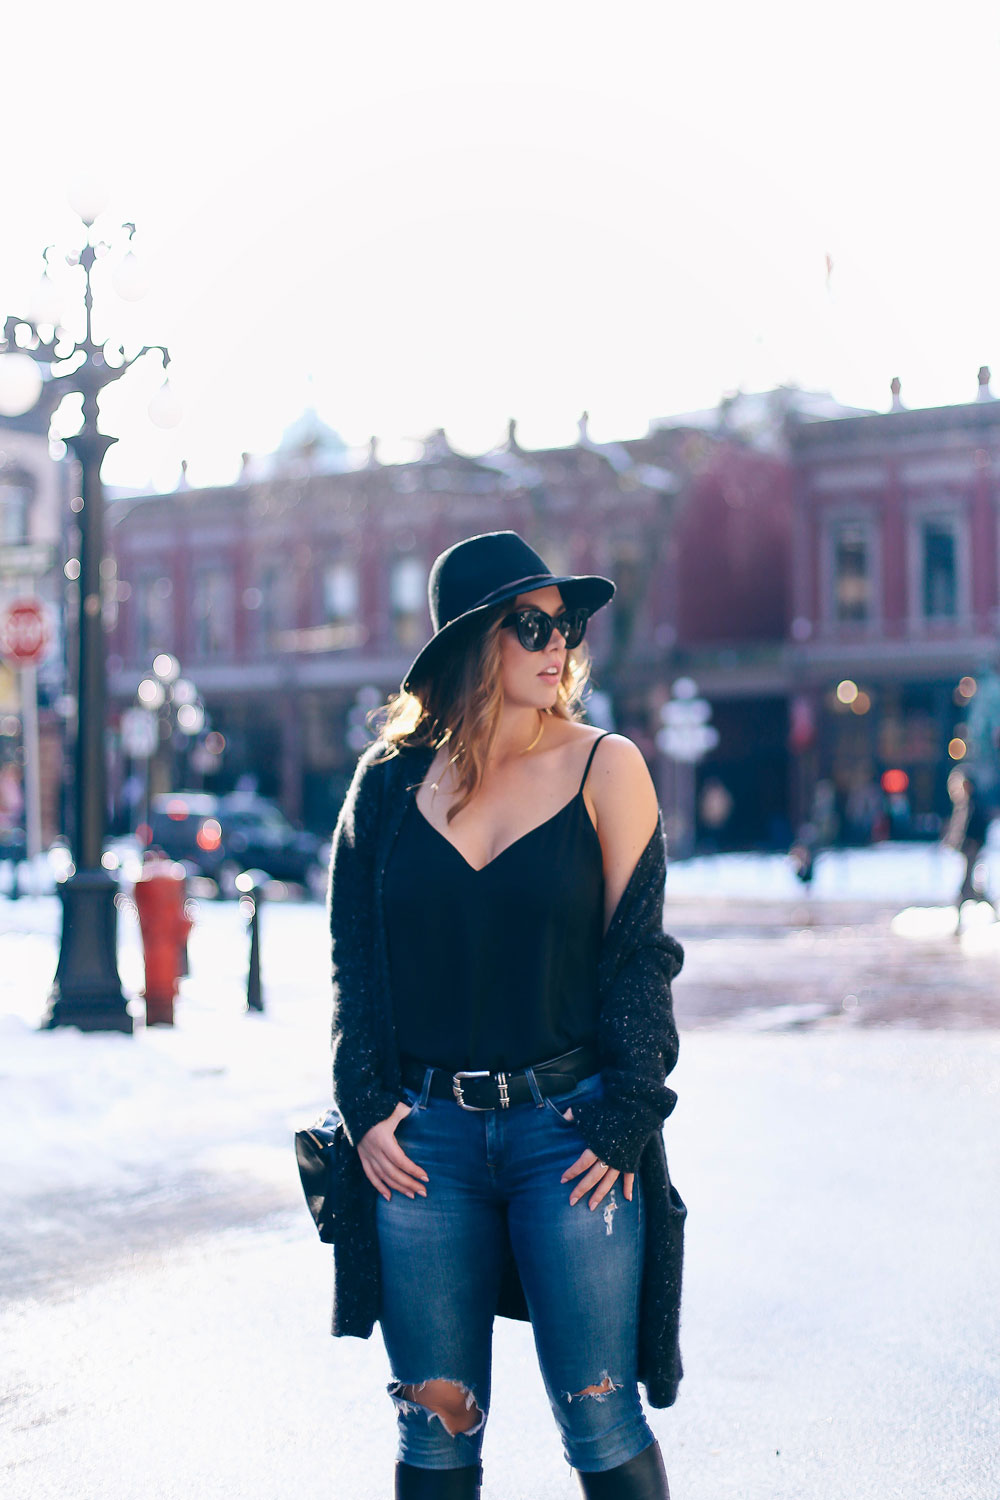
(589,590)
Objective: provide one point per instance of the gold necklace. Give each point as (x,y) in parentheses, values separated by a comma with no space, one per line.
(541,726)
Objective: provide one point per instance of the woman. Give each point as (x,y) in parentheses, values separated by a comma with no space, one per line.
(502,1030)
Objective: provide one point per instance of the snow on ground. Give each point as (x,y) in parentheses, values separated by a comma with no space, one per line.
(120,1111)
(893,872)
(840,1330)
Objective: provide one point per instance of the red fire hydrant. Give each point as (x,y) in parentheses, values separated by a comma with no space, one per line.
(164,923)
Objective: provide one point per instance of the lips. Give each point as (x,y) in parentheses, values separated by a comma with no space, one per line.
(553,673)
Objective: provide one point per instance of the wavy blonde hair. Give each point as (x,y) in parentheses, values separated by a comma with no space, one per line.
(460,705)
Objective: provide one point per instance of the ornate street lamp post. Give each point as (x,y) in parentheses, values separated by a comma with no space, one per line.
(87,991)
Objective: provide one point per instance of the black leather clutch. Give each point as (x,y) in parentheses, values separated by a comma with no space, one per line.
(320,1152)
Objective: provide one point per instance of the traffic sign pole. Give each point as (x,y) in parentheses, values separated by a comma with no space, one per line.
(32,778)
(685,737)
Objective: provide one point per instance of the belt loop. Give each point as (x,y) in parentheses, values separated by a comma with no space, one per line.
(425,1092)
(536,1092)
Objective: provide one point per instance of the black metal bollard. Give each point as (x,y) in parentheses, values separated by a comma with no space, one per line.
(184,965)
(250,884)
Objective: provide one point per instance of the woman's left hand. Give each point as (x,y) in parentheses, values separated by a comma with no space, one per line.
(596,1174)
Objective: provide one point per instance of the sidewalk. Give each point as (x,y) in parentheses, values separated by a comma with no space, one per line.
(841,1333)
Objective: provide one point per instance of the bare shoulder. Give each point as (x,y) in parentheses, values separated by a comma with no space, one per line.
(621,786)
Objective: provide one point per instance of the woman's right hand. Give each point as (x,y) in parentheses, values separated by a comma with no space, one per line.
(386,1164)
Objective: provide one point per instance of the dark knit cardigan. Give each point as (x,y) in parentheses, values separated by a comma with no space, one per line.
(637,1042)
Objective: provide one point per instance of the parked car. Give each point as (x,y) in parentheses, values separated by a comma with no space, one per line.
(222,836)
(13,845)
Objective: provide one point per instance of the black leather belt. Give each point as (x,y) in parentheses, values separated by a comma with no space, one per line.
(481,1090)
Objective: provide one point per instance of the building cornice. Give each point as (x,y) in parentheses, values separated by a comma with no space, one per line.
(977,420)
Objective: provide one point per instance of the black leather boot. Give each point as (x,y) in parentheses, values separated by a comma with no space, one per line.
(438,1484)
(642,1478)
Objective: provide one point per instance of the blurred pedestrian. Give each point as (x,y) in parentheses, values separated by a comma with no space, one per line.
(803,854)
(13,845)
(862,806)
(824,815)
(11,796)
(715,807)
(500,1043)
(966,831)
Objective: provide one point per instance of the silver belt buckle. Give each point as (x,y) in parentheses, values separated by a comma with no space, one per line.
(456,1088)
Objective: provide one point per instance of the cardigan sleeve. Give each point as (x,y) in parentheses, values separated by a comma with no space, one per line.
(358,1091)
(637,1036)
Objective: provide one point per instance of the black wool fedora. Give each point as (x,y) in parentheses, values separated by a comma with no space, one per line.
(469,578)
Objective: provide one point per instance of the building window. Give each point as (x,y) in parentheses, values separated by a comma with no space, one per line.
(626,570)
(850,563)
(15,500)
(213,612)
(271,604)
(852,573)
(154,616)
(341,593)
(939,570)
(408,600)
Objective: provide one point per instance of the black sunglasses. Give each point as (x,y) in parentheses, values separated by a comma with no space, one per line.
(535,627)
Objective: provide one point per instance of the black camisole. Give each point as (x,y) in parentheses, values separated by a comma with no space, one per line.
(497,967)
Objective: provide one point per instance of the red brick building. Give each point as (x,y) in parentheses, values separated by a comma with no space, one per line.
(287,596)
(724,595)
(895,595)
(772,550)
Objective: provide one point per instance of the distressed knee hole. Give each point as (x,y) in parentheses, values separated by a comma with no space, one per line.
(598,1392)
(452,1403)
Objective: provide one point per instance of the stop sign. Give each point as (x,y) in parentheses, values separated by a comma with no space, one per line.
(24,632)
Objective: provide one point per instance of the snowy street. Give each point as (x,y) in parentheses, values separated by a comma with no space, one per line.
(166,1299)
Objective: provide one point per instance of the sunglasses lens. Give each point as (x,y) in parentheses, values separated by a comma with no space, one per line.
(534,628)
(573,625)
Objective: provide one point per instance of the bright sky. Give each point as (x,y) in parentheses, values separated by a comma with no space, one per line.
(429,213)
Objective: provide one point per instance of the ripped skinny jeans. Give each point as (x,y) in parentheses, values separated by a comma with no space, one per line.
(441,1262)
